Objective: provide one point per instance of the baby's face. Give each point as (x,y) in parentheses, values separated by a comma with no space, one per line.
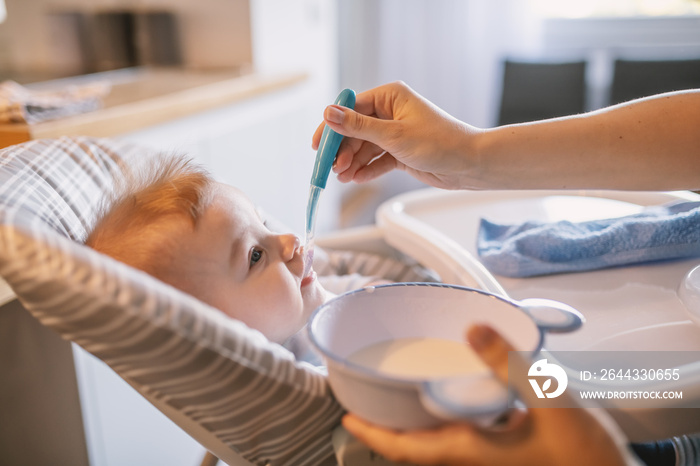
(233,262)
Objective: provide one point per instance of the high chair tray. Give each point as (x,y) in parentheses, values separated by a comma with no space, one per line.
(430,223)
(626,308)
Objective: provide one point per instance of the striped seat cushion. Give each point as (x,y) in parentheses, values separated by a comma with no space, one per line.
(224,383)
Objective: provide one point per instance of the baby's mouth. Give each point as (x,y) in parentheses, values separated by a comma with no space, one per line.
(308,279)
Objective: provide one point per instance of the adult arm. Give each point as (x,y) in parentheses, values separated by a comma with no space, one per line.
(646,144)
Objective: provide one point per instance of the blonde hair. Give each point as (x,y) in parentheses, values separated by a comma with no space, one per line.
(132,224)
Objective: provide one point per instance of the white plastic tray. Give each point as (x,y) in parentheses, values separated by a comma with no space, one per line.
(440,229)
(626,308)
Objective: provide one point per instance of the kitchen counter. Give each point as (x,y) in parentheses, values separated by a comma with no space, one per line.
(142,97)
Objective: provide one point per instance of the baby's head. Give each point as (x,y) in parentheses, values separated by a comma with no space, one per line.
(206,238)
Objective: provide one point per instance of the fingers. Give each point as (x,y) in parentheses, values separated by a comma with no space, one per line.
(364,105)
(434,446)
(316,139)
(375,437)
(369,130)
(500,356)
(350,162)
(560,414)
(352,156)
(376,168)
(356,125)
(493,349)
(335,115)
(350,149)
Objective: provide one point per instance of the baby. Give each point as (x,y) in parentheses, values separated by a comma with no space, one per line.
(206,238)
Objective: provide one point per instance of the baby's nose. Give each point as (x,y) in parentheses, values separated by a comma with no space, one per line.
(291,245)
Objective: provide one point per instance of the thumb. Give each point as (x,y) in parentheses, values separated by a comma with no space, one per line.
(492,348)
(494,351)
(509,365)
(356,125)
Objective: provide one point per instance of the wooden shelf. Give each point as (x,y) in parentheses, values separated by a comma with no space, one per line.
(144,97)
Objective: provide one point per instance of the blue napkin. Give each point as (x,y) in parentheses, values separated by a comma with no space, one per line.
(532,248)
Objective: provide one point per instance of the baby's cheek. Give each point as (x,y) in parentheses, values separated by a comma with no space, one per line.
(284,315)
(262,310)
(315,297)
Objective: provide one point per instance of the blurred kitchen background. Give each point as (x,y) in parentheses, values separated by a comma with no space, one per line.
(484,61)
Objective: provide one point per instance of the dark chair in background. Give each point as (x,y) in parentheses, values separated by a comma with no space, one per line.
(634,79)
(535,91)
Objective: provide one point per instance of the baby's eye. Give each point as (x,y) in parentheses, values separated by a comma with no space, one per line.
(255,256)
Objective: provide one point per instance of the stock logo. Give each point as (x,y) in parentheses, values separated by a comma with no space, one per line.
(542,369)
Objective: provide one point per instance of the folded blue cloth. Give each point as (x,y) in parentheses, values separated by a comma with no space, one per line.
(532,248)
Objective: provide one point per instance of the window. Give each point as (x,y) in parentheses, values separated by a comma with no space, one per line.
(616,8)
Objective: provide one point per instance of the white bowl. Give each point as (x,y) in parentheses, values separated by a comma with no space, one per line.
(361,318)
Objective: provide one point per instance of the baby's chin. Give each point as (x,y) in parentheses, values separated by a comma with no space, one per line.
(315,297)
(328,296)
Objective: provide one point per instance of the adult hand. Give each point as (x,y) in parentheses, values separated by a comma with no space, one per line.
(644,144)
(393,127)
(539,436)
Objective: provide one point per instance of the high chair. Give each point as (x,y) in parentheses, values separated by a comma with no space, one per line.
(244,399)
